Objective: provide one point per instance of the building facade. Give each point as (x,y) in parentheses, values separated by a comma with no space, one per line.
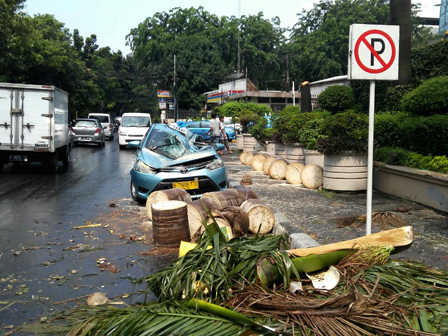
(443,22)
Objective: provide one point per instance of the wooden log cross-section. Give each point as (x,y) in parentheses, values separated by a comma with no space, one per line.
(277,170)
(258,161)
(267,164)
(261,217)
(294,172)
(225,198)
(176,194)
(170,222)
(198,212)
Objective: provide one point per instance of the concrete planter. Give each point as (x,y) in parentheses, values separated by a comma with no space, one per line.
(313,157)
(275,148)
(422,186)
(345,172)
(248,142)
(239,142)
(295,153)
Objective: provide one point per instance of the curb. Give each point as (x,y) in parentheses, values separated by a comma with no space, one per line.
(284,225)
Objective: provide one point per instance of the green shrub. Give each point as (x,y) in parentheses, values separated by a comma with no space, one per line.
(337,98)
(234,109)
(391,155)
(387,129)
(291,109)
(436,163)
(425,135)
(282,123)
(311,132)
(246,117)
(430,98)
(260,132)
(347,131)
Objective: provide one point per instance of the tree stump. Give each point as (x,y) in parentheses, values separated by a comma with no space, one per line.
(197,213)
(267,164)
(246,192)
(293,173)
(248,158)
(261,217)
(277,170)
(312,176)
(176,194)
(170,222)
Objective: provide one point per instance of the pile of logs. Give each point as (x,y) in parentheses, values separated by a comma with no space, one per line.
(176,217)
(310,176)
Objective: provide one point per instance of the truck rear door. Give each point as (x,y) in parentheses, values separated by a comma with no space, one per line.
(25,119)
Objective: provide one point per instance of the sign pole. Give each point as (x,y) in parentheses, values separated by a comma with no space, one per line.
(370,158)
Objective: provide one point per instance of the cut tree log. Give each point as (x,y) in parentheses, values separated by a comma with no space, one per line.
(312,176)
(225,198)
(176,194)
(277,170)
(293,173)
(170,222)
(258,161)
(246,192)
(400,239)
(238,219)
(249,158)
(242,157)
(197,213)
(267,163)
(261,217)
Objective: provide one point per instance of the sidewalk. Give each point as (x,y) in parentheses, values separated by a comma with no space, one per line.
(316,212)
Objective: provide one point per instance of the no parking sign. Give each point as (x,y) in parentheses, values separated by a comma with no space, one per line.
(373,52)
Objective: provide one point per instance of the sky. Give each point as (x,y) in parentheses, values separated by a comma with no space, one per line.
(112,20)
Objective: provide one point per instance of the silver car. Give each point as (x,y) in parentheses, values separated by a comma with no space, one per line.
(88,131)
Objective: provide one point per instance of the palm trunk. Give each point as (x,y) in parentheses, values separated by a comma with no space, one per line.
(400,13)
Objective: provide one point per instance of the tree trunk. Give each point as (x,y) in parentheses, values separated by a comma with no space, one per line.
(170,222)
(176,194)
(293,173)
(197,213)
(225,198)
(277,170)
(400,14)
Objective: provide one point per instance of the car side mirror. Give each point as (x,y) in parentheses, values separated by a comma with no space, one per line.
(134,144)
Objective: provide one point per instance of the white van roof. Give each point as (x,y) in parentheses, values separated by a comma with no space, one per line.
(135,114)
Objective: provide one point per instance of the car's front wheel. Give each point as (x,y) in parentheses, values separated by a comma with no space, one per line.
(134,195)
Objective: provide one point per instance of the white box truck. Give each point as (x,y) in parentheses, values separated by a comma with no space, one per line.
(34,125)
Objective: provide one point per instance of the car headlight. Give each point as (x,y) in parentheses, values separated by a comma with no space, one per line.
(123,133)
(142,167)
(215,164)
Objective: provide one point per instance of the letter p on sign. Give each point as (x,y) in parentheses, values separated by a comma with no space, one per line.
(373,52)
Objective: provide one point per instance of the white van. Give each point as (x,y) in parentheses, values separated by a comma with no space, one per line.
(133,126)
(106,122)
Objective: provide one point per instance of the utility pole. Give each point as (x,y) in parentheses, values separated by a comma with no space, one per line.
(174,91)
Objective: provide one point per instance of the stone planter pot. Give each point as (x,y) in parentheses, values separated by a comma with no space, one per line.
(270,148)
(239,142)
(294,153)
(248,142)
(313,157)
(422,186)
(345,172)
(279,149)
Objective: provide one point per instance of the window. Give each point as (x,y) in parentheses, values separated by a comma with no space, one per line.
(205,124)
(195,124)
(263,100)
(277,100)
(277,107)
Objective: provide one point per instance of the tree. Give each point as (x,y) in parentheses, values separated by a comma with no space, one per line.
(400,14)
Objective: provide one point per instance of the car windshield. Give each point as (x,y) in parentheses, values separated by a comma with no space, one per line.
(85,123)
(135,121)
(100,118)
(167,142)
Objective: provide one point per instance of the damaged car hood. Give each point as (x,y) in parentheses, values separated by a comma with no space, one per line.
(157,161)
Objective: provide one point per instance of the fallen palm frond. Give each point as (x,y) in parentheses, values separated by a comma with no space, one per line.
(212,274)
(397,298)
(154,319)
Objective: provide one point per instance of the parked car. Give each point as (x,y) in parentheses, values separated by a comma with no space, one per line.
(88,130)
(133,127)
(202,127)
(228,122)
(171,157)
(106,121)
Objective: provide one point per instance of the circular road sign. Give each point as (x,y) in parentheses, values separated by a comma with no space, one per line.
(375,54)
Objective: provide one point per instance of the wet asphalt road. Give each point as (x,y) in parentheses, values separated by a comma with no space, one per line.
(46,259)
